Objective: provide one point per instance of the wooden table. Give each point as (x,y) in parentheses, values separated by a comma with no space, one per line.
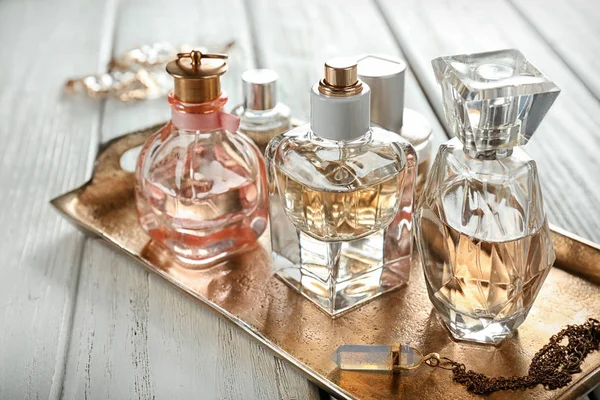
(81,322)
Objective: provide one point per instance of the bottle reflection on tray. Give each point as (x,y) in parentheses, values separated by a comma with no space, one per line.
(200,185)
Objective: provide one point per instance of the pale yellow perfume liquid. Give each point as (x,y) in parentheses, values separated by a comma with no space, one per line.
(483,289)
(340,215)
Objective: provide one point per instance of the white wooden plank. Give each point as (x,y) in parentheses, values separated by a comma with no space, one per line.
(46,141)
(134,335)
(566,143)
(572,28)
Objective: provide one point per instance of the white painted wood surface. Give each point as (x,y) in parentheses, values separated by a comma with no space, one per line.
(45,148)
(134,335)
(567,141)
(571,29)
(78,321)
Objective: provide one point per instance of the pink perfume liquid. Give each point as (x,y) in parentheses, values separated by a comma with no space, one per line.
(201,189)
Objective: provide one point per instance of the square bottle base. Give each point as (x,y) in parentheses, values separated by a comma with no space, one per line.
(484,330)
(339,276)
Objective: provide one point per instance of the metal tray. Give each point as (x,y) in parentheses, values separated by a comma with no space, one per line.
(244,292)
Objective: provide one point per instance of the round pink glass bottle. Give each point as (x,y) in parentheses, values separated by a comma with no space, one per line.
(201,187)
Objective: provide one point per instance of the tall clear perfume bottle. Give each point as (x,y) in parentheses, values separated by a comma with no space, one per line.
(341,198)
(261,116)
(481,228)
(385,76)
(201,187)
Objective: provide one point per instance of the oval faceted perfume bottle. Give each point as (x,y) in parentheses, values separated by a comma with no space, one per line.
(261,116)
(481,228)
(201,187)
(341,198)
(385,77)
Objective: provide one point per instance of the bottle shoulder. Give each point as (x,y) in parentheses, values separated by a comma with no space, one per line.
(337,166)
(452,156)
(174,155)
(491,200)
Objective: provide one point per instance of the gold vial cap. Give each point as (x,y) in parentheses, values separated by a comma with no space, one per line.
(197,76)
(341,78)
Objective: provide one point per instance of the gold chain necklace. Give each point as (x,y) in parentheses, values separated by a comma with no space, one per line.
(552,366)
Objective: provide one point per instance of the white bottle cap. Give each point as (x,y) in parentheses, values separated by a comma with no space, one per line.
(340,103)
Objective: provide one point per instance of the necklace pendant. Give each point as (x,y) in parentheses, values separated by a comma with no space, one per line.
(393,358)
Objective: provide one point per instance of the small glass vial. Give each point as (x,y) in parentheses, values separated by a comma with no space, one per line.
(385,76)
(201,187)
(481,229)
(341,198)
(261,116)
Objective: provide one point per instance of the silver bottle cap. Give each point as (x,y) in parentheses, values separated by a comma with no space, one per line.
(260,89)
(385,77)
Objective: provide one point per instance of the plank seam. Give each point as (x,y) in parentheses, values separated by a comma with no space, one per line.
(105,53)
(398,40)
(253,35)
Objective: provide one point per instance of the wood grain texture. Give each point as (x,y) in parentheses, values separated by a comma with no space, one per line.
(572,29)
(565,146)
(296,37)
(134,335)
(46,141)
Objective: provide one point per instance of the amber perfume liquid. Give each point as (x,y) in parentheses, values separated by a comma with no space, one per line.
(333,215)
(341,215)
(484,242)
(482,289)
(341,198)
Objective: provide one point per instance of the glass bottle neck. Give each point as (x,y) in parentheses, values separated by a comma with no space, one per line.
(202,117)
(495,154)
(198,108)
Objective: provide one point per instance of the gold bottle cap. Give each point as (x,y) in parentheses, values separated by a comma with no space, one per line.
(197,76)
(341,78)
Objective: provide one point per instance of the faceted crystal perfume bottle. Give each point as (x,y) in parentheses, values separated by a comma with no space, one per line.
(201,187)
(480,224)
(261,116)
(341,198)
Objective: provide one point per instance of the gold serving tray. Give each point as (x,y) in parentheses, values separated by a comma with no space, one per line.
(244,291)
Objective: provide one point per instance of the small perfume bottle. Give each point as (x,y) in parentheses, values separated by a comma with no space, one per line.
(385,76)
(261,116)
(341,198)
(201,187)
(480,224)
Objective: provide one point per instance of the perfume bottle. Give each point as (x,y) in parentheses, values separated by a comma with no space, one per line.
(201,188)
(341,198)
(385,76)
(261,116)
(481,228)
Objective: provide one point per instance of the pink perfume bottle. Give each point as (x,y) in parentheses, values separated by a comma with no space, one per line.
(201,187)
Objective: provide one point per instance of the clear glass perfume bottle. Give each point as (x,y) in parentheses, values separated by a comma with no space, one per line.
(201,187)
(341,198)
(385,76)
(261,116)
(480,224)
